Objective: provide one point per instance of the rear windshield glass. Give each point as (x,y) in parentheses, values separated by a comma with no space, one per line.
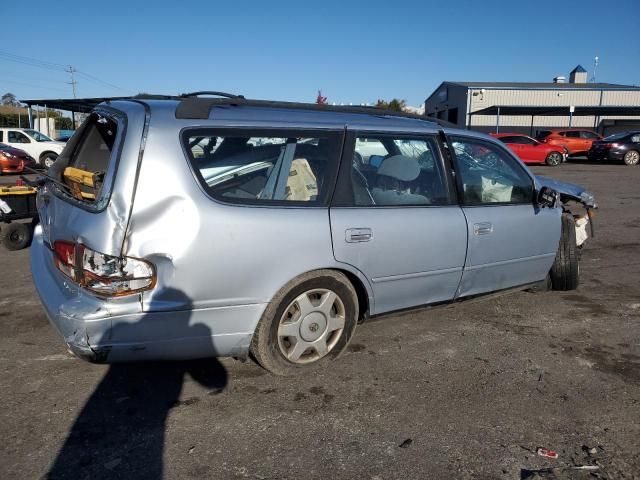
(285,167)
(90,158)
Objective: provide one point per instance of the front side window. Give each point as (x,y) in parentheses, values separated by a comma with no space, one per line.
(17,137)
(264,167)
(389,170)
(542,134)
(572,134)
(527,140)
(489,175)
(37,136)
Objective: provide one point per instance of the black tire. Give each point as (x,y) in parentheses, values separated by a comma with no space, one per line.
(632,157)
(48,158)
(553,159)
(265,346)
(16,236)
(565,273)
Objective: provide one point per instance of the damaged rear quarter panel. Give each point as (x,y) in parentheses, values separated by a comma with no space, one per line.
(102,228)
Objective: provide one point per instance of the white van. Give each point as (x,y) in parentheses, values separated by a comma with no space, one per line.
(36,144)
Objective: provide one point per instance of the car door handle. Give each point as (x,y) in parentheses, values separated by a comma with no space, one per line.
(482,228)
(354,235)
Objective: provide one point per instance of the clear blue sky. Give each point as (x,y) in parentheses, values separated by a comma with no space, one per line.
(354,51)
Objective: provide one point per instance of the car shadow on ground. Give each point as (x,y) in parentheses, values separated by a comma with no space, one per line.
(120,431)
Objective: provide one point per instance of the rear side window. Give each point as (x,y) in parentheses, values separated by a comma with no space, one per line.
(265,167)
(588,135)
(390,170)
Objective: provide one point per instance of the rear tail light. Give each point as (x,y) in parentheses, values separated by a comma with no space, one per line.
(65,258)
(102,274)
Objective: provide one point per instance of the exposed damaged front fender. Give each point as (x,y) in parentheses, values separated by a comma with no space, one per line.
(568,191)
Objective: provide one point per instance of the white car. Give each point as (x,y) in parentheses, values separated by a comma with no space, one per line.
(36,144)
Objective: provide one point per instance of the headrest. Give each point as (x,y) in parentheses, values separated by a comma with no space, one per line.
(401,168)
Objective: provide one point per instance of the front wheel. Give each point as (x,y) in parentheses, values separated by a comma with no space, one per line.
(554,159)
(565,272)
(309,322)
(632,157)
(49,159)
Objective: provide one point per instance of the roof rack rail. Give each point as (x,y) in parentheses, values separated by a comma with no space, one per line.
(210,92)
(194,107)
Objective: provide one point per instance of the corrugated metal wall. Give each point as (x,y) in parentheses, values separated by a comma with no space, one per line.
(525,97)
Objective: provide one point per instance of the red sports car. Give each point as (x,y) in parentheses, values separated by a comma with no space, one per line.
(13,160)
(532,151)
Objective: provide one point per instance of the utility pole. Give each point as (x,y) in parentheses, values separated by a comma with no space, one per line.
(596,60)
(73,87)
(73,82)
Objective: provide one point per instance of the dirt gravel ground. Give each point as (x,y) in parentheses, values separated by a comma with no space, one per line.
(458,392)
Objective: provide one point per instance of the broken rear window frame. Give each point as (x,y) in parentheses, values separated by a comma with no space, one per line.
(104,195)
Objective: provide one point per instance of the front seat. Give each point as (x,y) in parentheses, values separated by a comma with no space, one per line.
(393,186)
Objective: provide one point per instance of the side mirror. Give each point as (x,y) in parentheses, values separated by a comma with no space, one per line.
(547,197)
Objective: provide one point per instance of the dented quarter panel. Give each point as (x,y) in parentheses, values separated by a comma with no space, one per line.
(198,244)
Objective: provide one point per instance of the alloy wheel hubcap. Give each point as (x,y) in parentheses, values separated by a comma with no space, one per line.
(554,158)
(632,158)
(311,326)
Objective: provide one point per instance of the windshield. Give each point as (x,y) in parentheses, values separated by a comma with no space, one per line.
(616,136)
(37,136)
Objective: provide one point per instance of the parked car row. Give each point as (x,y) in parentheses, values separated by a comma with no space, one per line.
(35,144)
(552,147)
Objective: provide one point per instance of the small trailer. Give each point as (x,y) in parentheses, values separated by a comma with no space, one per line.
(17,203)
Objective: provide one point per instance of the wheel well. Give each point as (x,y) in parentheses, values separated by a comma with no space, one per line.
(361,292)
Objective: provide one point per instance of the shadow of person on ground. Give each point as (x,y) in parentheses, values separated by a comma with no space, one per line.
(120,431)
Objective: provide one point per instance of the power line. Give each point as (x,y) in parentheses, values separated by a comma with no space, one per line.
(41,87)
(31,61)
(58,67)
(96,79)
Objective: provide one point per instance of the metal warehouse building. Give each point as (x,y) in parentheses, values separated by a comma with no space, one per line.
(529,107)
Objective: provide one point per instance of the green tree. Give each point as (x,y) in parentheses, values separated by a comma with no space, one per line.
(394,104)
(64,123)
(10,99)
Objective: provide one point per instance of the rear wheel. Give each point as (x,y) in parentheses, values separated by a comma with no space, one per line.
(554,159)
(632,157)
(16,236)
(309,322)
(565,272)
